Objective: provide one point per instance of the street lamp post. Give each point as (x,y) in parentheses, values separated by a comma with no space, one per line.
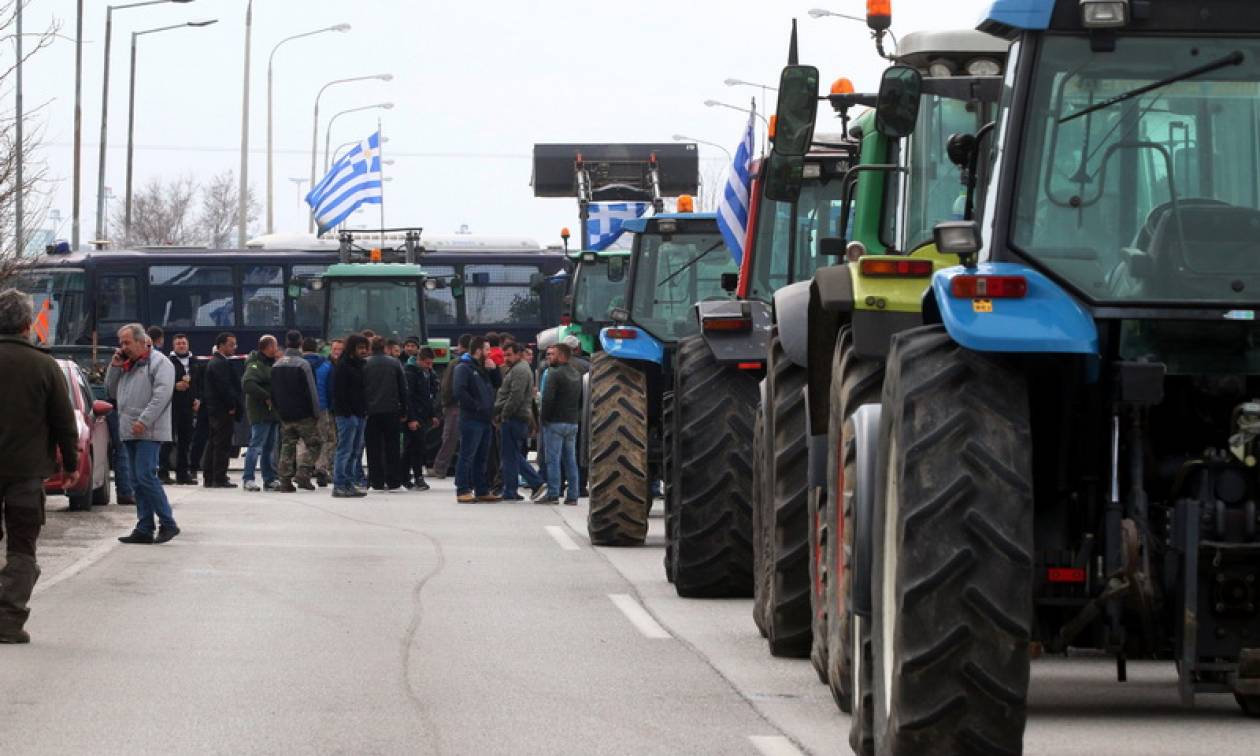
(242,194)
(17,194)
(315,125)
(331,121)
(270,164)
(131,112)
(297,184)
(78,125)
(765,88)
(100,184)
(752,110)
(681,138)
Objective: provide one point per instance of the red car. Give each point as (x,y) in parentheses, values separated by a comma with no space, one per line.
(93,484)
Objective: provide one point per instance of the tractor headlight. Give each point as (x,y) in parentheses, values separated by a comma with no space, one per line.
(984,67)
(1104,14)
(940,69)
(811,171)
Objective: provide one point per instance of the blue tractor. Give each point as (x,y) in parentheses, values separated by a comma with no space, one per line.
(1066,452)
(677,260)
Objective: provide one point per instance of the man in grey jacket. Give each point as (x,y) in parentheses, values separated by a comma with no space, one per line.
(514,411)
(142,381)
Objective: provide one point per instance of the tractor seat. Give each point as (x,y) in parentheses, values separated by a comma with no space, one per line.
(1218,240)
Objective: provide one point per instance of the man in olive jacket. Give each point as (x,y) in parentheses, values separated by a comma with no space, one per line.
(514,411)
(38,421)
(264,423)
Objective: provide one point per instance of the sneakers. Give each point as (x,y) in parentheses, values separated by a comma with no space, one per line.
(547,500)
(166,534)
(250,485)
(186,481)
(570,502)
(344,493)
(466,497)
(322,479)
(305,484)
(137,537)
(16,636)
(286,486)
(490,497)
(272,486)
(421,486)
(538,493)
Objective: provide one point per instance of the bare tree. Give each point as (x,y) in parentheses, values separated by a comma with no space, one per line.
(220,210)
(162,214)
(34,188)
(712,184)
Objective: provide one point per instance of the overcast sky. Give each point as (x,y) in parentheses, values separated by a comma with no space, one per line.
(476,84)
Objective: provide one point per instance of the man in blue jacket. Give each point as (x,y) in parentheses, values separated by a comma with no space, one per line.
(476,381)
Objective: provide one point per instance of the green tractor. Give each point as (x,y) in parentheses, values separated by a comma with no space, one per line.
(832,333)
(382,290)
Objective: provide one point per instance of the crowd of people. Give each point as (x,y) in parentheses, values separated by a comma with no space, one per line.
(315,412)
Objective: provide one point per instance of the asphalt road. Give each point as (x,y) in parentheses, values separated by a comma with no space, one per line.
(406,623)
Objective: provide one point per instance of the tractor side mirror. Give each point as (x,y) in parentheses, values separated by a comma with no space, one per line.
(898,108)
(783,177)
(796,111)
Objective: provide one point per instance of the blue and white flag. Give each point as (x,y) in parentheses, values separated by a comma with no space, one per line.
(732,212)
(354,181)
(604,220)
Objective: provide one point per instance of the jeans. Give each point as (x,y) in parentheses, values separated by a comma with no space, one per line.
(151,499)
(349,448)
(262,446)
(515,433)
(560,440)
(474,447)
(123,485)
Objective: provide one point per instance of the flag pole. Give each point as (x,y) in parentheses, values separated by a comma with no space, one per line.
(381,152)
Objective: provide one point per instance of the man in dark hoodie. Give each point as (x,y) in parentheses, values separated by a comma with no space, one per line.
(422,398)
(296,399)
(385,385)
(476,380)
(224,402)
(349,403)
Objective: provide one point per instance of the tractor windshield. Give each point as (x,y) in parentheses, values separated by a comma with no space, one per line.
(1151,197)
(600,286)
(934,189)
(672,273)
(817,214)
(390,308)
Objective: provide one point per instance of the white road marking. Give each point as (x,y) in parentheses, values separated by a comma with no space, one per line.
(561,536)
(85,561)
(639,616)
(774,745)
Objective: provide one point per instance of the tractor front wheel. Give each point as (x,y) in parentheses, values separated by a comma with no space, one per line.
(620,494)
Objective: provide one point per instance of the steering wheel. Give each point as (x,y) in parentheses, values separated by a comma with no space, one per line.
(1144,237)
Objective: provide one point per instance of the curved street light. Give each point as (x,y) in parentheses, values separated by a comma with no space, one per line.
(315,125)
(331,121)
(682,138)
(746,111)
(824,13)
(271,59)
(131,110)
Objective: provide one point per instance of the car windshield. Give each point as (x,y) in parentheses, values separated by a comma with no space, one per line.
(934,188)
(600,287)
(1152,199)
(674,272)
(61,316)
(817,214)
(389,308)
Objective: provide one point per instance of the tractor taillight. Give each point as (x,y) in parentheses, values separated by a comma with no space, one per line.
(622,333)
(1065,575)
(896,268)
(750,365)
(989,287)
(726,325)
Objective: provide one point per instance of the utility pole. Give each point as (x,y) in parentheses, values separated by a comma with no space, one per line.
(242,209)
(17,194)
(78,126)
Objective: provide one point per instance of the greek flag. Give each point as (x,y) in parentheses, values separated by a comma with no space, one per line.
(732,213)
(603,221)
(354,181)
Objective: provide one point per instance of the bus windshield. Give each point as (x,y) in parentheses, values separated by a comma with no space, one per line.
(390,308)
(817,215)
(60,298)
(674,272)
(1149,198)
(600,287)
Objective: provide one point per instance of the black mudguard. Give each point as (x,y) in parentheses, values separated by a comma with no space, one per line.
(745,346)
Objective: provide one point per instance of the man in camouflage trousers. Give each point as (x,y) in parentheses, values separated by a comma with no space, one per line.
(296,399)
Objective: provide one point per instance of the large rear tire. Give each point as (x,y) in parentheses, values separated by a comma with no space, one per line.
(952,539)
(788,608)
(762,574)
(620,493)
(101,496)
(669,459)
(82,502)
(713,409)
(855,381)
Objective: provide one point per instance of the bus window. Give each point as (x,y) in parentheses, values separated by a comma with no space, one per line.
(117,300)
(191,296)
(262,294)
(500,295)
(60,298)
(308,305)
(440,307)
